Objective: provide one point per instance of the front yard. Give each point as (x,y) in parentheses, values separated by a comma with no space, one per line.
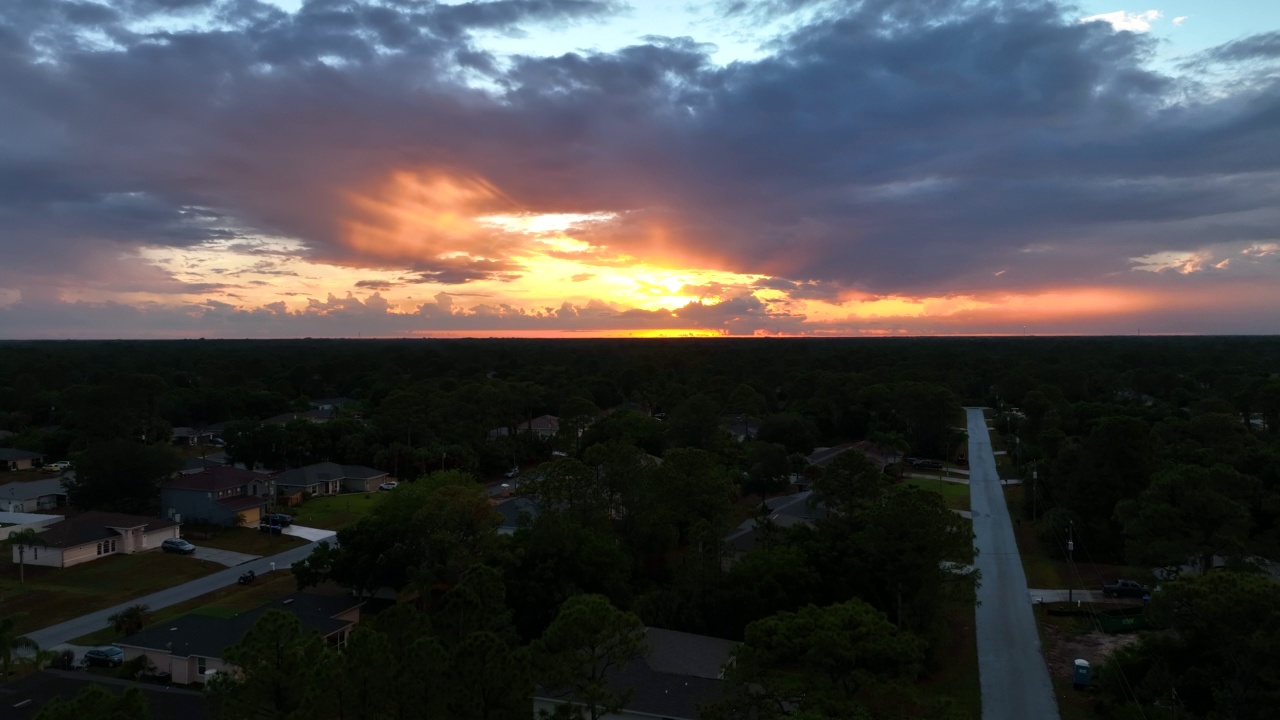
(248,540)
(224,602)
(338,511)
(52,595)
(955,495)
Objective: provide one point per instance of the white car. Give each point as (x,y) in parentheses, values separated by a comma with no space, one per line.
(57,466)
(513,472)
(389,485)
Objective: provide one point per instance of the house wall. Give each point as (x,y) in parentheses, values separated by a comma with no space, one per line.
(356,485)
(89,551)
(189,669)
(44,556)
(152,540)
(24,464)
(252,517)
(159,658)
(195,506)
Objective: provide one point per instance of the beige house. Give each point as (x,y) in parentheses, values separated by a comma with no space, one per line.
(91,535)
(14,459)
(190,648)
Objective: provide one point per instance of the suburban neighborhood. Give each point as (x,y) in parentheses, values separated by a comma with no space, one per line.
(660,554)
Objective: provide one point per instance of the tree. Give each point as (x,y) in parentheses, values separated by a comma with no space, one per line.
(852,481)
(23,539)
(11,642)
(588,639)
(268,657)
(576,415)
(121,475)
(816,662)
(767,468)
(132,619)
(99,703)
(1186,512)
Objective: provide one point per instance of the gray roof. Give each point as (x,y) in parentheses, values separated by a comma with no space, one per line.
(208,636)
(688,654)
(325,472)
(97,525)
(32,490)
(15,454)
(41,687)
(672,681)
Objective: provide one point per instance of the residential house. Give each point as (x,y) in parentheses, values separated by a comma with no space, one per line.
(14,459)
(24,698)
(786,511)
(190,436)
(190,648)
(42,494)
(543,426)
(680,672)
(332,403)
(221,495)
(329,478)
(316,415)
(14,522)
(91,535)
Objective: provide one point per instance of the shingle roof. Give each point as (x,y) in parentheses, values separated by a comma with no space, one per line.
(673,680)
(32,490)
(221,477)
(241,502)
(517,512)
(44,686)
(325,472)
(208,636)
(15,454)
(93,526)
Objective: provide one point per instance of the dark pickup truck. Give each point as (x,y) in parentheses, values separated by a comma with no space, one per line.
(1125,589)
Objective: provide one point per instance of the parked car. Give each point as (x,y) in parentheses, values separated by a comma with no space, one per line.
(389,485)
(248,577)
(1125,589)
(109,656)
(281,519)
(57,466)
(513,472)
(177,545)
(273,528)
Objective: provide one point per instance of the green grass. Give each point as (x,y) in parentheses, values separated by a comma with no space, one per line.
(251,541)
(52,595)
(225,602)
(337,512)
(955,495)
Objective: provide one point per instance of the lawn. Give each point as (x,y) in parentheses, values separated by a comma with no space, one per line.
(225,602)
(954,494)
(52,595)
(250,540)
(337,512)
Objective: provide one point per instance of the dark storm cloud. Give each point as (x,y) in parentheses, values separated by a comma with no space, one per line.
(885,147)
(1263,46)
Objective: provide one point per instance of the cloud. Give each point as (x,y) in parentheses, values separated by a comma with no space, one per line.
(879,148)
(1122,21)
(1180,20)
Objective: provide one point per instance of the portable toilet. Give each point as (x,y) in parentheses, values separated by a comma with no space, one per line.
(1082,674)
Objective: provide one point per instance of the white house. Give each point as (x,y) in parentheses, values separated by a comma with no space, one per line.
(92,535)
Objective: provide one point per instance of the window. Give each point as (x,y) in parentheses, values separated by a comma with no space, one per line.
(113,545)
(201,665)
(99,548)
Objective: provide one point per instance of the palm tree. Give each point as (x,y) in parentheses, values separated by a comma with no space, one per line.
(23,539)
(41,659)
(11,641)
(131,619)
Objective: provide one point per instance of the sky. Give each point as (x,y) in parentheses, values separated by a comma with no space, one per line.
(584,168)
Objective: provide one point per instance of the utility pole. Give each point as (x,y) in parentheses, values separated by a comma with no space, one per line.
(1071,546)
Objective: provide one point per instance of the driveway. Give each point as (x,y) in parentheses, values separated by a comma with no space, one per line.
(1011,668)
(309,533)
(56,635)
(223,557)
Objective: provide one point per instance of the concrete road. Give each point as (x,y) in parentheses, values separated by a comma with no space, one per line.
(1015,682)
(223,557)
(52,637)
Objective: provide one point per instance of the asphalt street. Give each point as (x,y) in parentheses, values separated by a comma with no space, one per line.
(61,633)
(1015,682)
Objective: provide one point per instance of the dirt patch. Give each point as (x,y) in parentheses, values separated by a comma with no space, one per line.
(1062,648)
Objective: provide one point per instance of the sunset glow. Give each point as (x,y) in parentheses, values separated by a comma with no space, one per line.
(376,179)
